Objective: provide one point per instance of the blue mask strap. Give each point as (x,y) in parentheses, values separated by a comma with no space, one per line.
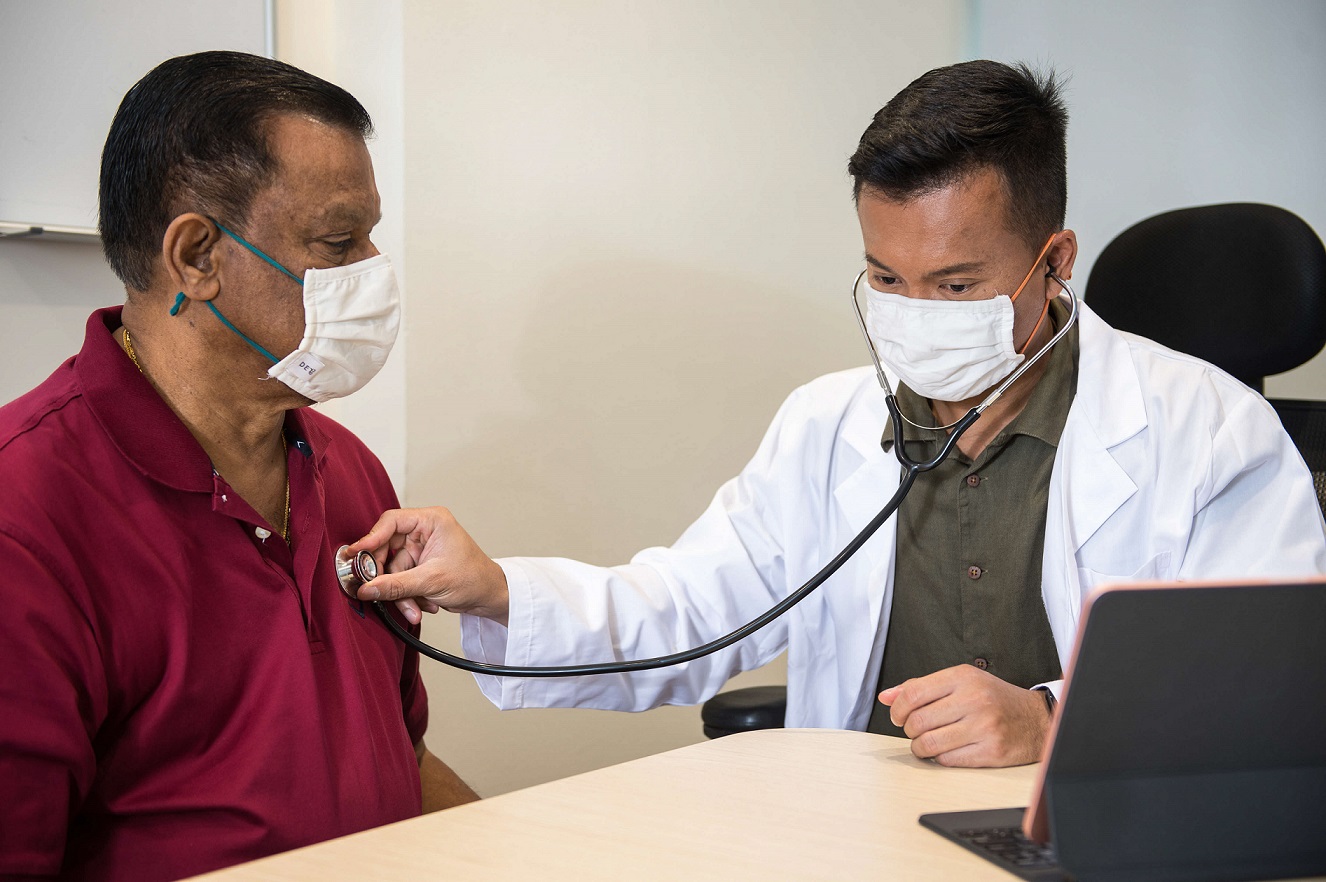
(225,321)
(241,241)
(179,301)
(179,298)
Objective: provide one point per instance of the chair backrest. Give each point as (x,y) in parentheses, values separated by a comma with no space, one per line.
(1240,285)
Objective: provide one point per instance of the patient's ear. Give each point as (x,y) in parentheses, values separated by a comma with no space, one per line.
(188,251)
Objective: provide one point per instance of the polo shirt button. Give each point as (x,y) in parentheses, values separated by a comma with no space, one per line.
(981,663)
(973,480)
(262,533)
(974,572)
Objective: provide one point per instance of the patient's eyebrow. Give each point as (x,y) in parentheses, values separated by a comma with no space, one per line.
(341,215)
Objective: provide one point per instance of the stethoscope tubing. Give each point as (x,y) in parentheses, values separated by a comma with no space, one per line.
(911,469)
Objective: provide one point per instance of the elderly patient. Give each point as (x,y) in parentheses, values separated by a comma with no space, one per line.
(184,684)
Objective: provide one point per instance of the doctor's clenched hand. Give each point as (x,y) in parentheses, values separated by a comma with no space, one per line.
(429,562)
(963,716)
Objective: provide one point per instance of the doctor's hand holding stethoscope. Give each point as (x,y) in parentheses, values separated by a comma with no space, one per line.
(974,352)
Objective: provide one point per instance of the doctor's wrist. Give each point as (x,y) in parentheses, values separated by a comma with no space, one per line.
(1050,701)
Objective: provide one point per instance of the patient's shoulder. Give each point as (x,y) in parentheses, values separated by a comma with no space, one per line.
(47,403)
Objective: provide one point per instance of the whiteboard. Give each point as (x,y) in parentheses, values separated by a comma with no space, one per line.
(65,65)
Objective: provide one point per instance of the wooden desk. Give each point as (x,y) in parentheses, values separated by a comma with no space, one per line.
(776,804)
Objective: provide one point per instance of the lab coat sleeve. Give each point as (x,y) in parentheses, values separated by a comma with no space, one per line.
(726,569)
(1260,516)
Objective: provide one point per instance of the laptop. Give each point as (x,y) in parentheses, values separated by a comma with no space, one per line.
(1190,742)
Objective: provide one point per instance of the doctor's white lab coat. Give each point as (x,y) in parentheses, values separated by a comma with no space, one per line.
(1167,469)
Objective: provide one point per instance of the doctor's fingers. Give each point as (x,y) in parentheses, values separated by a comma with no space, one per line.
(910,695)
(410,609)
(453,573)
(937,714)
(943,743)
(403,559)
(400,527)
(967,754)
(422,581)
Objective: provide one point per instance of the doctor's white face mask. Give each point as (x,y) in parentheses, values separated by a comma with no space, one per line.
(351,317)
(947,350)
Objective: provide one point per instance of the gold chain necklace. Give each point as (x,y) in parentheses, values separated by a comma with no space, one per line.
(285,446)
(129,348)
(285,524)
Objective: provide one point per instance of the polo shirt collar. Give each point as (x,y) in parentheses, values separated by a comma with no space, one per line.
(140,423)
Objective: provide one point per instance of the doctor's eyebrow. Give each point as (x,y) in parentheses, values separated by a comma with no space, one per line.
(971,266)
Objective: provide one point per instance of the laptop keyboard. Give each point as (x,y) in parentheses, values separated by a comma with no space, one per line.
(1009,845)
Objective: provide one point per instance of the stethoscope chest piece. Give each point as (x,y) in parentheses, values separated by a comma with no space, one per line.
(353,570)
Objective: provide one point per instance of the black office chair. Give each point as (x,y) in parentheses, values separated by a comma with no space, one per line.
(1242,286)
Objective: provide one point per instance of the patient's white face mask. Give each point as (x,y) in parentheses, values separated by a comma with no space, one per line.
(351,317)
(947,350)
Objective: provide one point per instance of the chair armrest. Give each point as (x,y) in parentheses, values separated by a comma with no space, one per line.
(743,710)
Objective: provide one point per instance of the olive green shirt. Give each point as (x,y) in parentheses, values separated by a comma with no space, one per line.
(971,534)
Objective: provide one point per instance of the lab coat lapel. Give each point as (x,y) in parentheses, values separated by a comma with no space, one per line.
(859,498)
(861,494)
(1088,485)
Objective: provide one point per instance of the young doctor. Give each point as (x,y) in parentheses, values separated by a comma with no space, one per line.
(1111,459)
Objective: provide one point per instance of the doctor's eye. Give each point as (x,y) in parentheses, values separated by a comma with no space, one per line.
(959,287)
(883,281)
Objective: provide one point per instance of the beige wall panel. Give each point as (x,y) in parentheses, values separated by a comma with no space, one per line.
(630,236)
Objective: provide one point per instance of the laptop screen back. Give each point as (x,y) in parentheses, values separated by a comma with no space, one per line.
(1191,740)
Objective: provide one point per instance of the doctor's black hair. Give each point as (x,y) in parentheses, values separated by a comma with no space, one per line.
(960,119)
(192,136)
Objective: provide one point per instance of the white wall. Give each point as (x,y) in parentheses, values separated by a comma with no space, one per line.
(630,236)
(1175,103)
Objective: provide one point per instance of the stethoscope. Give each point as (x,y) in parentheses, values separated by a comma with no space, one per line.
(353,570)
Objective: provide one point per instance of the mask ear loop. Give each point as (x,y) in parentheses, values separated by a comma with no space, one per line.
(1046,310)
(245,243)
(179,298)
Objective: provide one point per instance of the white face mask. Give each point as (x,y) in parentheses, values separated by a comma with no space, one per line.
(351,317)
(948,350)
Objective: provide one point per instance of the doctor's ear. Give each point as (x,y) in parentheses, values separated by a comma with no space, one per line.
(188,251)
(1062,254)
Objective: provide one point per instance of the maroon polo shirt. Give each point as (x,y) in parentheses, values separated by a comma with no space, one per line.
(178,693)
